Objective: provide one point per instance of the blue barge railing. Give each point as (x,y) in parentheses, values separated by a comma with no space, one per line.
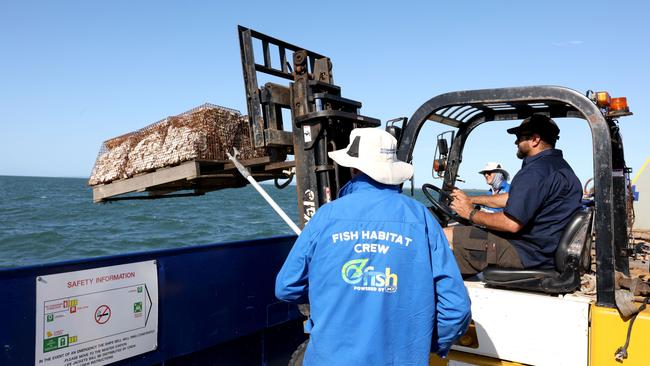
(216,305)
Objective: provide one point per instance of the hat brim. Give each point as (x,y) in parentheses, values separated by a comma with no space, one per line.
(505,173)
(526,130)
(514,130)
(389,172)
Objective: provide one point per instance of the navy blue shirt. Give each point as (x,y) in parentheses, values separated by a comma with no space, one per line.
(543,196)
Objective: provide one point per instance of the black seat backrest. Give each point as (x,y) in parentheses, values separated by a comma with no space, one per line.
(571,260)
(576,234)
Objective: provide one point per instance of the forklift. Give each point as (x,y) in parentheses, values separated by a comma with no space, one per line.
(519,317)
(532,316)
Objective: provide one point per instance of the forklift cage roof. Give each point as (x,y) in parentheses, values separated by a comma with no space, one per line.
(466,110)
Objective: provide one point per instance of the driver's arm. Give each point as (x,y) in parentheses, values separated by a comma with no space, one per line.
(496,201)
(499,221)
(496,221)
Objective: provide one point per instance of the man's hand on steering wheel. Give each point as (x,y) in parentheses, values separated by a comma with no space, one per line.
(443,211)
(461,203)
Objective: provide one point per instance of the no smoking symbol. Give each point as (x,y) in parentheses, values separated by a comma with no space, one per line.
(102,314)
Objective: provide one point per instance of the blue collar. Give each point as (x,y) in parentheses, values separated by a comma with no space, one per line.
(501,188)
(363,182)
(547,152)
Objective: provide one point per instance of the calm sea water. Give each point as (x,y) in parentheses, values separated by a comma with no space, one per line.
(53,219)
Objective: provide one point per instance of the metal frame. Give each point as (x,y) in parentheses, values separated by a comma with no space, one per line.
(250,68)
(466,110)
(321,119)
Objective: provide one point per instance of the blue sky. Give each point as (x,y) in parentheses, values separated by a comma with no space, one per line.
(75,73)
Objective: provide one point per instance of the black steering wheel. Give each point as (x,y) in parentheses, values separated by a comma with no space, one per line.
(440,206)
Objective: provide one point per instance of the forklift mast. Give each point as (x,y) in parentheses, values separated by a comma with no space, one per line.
(321,120)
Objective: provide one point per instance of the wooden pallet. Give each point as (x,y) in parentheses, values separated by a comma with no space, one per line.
(191,178)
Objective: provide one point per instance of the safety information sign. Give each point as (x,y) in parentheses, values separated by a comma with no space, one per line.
(96,316)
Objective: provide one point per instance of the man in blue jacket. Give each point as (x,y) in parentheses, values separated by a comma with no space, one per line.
(375,267)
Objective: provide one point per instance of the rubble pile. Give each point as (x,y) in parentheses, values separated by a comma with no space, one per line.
(206,132)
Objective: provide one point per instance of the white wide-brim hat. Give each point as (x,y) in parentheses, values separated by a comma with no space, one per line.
(373,151)
(493,166)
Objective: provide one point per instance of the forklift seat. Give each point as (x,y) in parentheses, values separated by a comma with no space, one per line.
(572,257)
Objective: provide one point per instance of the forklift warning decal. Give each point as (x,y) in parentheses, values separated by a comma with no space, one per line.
(309,204)
(96,316)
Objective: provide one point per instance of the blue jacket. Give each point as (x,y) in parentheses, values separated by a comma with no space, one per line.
(380,278)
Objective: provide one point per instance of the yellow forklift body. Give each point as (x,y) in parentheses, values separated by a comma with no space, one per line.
(608,332)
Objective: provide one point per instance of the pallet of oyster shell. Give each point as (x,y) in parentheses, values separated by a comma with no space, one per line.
(190,178)
(206,132)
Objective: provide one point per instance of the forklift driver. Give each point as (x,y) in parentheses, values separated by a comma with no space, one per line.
(543,196)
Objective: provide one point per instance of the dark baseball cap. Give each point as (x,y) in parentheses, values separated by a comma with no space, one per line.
(539,124)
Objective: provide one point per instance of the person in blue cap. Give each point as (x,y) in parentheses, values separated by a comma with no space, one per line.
(375,267)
